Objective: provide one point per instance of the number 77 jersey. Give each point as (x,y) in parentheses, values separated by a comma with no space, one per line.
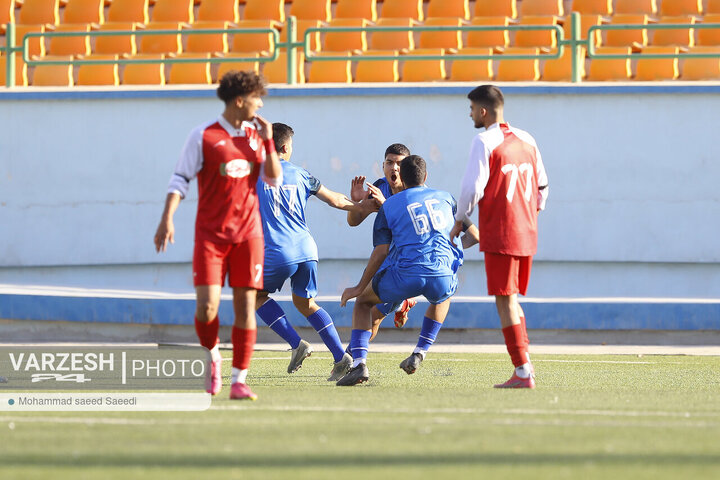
(506,179)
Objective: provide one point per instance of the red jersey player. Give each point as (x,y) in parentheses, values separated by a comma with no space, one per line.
(506,179)
(226,155)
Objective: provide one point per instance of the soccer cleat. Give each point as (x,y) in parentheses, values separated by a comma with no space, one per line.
(213,384)
(355,376)
(240,391)
(411,363)
(340,368)
(517,382)
(298,355)
(401,315)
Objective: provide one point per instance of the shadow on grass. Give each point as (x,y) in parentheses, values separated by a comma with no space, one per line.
(236,459)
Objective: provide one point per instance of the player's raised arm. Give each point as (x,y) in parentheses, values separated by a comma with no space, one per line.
(272,170)
(377,257)
(341,202)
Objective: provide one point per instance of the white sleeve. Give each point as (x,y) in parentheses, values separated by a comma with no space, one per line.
(474,181)
(189,164)
(542,180)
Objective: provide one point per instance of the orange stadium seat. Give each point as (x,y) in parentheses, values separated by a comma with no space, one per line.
(709,36)
(35,45)
(84,11)
(495,8)
(21,78)
(518,70)
(276,72)
(593,7)
(241,66)
(144,73)
(116,45)
(330,71)
(209,42)
(610,69)
(472,70)
(7,14)
(377,70)
(393,40)
(173,11)
(586,21)
(128,11)
(366,9)
(54,75)
(302,26)
(702,68)
(713,7)
(676,8)
(311,10)
(449,8)
(264,10)
(536,38)
(656,69)
(262,43)
(39,12)
(424,70)
(636,7)
(99,74)
(79,45)
(541,7)
(191,73)
(402,9)
(684,37)
(495,39)
(170,43)
(218,11)
(442,39)
(348,41)
(628,38)
(560,69)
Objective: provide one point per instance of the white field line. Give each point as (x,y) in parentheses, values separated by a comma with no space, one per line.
(498,360)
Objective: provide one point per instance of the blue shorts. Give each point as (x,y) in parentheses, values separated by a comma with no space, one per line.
(303,278)
(387,308)
(393,287)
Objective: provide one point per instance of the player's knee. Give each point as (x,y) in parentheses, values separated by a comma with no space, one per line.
(206,311)
(306,306)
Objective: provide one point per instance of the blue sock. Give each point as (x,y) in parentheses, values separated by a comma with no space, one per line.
(324,326)
(359,341)
(428,333)
(272,314)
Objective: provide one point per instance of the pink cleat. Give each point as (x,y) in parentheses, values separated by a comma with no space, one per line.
(213,384)
(517,382)
(240,391)
(401,315)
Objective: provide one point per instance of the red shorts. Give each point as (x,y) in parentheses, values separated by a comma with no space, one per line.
(507,274)
(241,262)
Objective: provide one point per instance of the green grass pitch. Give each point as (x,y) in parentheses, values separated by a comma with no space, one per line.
(591,417)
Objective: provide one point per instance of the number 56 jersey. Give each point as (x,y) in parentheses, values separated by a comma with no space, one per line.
(417,221)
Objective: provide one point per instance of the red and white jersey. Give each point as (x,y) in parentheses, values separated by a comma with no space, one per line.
(227,162)
(506,179)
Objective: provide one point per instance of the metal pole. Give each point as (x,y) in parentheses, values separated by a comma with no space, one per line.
(575,49)
(10,55)
(290,49)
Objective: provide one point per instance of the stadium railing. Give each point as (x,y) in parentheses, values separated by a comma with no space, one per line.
(574,42)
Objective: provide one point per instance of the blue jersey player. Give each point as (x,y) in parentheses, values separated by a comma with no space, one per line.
(291,252)
(417,221)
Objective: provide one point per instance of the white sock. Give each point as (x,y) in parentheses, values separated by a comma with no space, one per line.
(358,361)
(215,353)
(523,371)
(421,352)
(238,375)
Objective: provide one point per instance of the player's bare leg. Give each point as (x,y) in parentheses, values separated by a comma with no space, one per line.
(377,318)
(207,325)
(509,311)
(362,329)
(434,318)
(244,334)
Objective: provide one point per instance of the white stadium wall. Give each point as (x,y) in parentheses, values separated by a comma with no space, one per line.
(634,206)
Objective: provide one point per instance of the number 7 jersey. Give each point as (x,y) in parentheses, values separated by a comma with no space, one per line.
(506,179)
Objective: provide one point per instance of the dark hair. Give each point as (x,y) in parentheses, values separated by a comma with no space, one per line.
(412,171)
(281,134)
(397,149)
(236,84)
(489,96)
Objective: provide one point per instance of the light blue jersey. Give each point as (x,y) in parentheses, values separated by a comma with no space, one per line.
(287,237)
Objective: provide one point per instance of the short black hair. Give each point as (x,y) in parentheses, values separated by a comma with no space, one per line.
(236,84)
(489,96)
(397,149)
(281,134)
(412,171)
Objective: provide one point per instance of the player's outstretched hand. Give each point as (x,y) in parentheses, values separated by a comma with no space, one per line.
(376,193)
(165,233)
(349,293)
(264,128)
(357,192)
(457,228)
